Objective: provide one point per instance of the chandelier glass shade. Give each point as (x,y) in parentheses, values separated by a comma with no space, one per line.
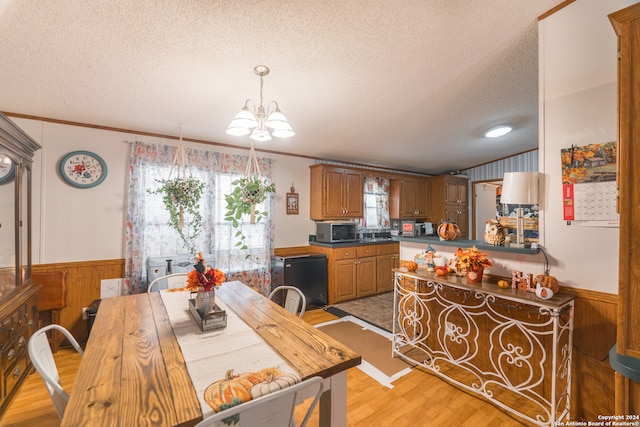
(257,121)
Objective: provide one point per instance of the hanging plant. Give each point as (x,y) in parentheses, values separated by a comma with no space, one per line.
(181,196)
(246,193)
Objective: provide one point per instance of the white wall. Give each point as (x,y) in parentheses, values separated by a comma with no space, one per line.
(578,70)
(73,224)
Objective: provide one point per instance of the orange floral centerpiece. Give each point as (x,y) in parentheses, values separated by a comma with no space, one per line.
(473,261)
(205,277)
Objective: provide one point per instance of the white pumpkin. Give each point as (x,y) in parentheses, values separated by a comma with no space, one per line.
(272,384)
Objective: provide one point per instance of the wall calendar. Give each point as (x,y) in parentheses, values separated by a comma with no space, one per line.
(589,188)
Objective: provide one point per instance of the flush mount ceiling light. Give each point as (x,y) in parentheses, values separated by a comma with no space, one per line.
(497,132)
(249,117)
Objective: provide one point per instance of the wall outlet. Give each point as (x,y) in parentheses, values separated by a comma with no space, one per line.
(85,314)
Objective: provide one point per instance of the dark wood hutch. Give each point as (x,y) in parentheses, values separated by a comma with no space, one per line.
(18,295)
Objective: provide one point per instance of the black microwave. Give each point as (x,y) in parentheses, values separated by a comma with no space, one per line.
(335,232)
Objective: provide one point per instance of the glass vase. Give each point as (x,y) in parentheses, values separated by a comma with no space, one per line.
(205,301)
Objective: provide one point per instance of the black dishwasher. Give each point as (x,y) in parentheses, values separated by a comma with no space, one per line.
(306,272)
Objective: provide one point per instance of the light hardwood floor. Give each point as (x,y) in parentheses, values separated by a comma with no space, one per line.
(418,399)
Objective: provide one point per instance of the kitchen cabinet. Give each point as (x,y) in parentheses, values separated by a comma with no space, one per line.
(336,193)
(408,197)
(18,295)
(357,271)
(449,200)
(626,24)
(388,258)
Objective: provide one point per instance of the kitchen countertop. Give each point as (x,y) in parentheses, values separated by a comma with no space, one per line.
(430,240)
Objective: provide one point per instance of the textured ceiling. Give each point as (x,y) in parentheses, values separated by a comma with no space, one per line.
(410,85)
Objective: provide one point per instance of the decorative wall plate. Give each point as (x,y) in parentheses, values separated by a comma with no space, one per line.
(7,169)
(83,169)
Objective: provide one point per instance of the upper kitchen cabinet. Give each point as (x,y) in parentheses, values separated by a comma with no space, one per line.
(449,200)
(408,197)
(336,193)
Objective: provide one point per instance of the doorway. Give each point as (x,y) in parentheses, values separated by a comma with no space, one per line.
(485,205)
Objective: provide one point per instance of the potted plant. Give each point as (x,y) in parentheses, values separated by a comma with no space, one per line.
(473,262)
(180,196)
(247,192)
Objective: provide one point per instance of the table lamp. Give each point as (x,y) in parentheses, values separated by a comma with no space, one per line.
(519,188)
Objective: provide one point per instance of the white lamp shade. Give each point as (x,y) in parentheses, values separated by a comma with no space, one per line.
(260,135)
(236,130)
(284,132)
(277,120)
(519,188)
(244,118)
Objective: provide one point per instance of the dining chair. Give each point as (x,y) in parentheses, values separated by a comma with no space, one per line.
(52,298)
(176,280)
(272,410)
(293,299)
(43,361)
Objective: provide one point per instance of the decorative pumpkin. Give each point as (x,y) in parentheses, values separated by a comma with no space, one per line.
(273,383)
(411,265)
(548,282)
(448,230)
(442,270)
(233,389)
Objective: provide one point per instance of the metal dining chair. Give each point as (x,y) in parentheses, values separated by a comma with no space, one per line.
(272,410)
(176,280)
(43,361)
(294,299)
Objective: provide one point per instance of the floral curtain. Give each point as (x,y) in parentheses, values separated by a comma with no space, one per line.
(148,235)
(376,200)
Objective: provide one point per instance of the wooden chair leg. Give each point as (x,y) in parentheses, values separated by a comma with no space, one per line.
(55,337)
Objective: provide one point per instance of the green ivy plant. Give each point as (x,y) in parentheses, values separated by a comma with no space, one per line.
(247,192)
(180,196)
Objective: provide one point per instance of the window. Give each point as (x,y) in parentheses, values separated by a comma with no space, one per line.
(148,235)
(376,203)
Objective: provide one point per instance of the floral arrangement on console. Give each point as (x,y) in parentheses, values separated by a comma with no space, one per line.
(205,277)
(471,259)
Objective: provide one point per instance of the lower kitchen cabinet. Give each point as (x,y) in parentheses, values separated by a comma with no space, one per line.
(388,258)
(359,271)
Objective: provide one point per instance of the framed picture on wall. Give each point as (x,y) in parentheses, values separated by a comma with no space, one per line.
(292,202)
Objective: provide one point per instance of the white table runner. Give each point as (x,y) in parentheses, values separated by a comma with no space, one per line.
(209,355)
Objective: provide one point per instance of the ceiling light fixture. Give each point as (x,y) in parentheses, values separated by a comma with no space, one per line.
(498,131)
(259,118)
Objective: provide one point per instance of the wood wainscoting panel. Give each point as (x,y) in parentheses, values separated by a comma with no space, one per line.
(83,287)
(594,333)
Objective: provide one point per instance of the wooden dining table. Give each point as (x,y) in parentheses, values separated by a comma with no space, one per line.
(133,372)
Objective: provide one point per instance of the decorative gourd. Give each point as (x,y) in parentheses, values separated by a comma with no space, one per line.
(411,265)
(273,383)
(548,282)
(233,389)
(448,230)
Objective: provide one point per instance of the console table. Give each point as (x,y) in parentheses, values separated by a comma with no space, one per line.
(506,345)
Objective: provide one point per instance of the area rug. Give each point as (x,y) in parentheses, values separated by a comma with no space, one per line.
(376,310)
(373,344)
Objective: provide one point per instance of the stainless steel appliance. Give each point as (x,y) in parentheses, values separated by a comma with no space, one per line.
(336,232)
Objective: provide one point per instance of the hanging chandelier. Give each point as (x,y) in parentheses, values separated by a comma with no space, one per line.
(260,119)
